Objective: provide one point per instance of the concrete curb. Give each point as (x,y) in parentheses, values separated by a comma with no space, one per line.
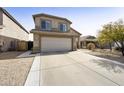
(33,78)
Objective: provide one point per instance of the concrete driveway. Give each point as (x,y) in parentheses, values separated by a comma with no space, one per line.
(78,68)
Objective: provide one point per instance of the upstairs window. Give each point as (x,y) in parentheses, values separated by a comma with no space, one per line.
(45,25)
(63,27)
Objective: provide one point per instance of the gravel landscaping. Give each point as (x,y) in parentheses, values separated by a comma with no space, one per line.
(13,70)
(117,56)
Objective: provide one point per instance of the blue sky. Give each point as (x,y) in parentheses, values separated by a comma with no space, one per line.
(86,20)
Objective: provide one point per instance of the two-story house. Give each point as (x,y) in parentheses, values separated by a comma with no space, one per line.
(11,31)
(53,33)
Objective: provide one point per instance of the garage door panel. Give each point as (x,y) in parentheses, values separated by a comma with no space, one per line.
(55,44)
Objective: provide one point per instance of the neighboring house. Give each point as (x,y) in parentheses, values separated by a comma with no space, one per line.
(54,33)
(85,40)
(11,31)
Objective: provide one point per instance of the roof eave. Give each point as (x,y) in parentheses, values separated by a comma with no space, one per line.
(37,15)
(76,31)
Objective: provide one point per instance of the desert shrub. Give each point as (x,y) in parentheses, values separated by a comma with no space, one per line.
(117,48)
(91,46)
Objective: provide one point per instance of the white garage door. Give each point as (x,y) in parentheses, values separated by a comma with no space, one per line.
(50,44)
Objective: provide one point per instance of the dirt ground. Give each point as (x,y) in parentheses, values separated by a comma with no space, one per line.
(13,70)
(106,54)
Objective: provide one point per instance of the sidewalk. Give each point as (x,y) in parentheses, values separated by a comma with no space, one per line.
(33,78)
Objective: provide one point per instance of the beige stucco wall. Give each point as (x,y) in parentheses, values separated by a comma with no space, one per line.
(73,32)
(36,43)
(55,22)
(12,30)
(6,43)
(74,44)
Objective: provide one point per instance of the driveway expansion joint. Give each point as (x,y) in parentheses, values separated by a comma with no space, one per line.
(57,66)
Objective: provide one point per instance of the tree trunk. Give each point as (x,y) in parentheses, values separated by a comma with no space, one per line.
(110,46)
(122,49)
(117,44)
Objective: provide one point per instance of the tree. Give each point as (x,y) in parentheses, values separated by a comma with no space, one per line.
(113,32)
(103,38)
